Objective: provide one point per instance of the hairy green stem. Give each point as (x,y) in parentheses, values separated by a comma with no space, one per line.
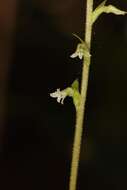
(80,113)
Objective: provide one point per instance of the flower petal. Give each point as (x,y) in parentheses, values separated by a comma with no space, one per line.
(80,55)
(74,55)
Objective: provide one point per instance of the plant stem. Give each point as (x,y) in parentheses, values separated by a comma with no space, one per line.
(80,113)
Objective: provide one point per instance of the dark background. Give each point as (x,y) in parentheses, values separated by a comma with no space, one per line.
(37,132)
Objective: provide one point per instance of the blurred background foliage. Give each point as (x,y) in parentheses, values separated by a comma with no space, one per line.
(36,131)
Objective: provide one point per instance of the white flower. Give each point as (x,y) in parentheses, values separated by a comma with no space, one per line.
(81,51)
(60,95)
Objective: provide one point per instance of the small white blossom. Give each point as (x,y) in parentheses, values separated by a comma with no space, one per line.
(60,95)
(70,92)
(79,51)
